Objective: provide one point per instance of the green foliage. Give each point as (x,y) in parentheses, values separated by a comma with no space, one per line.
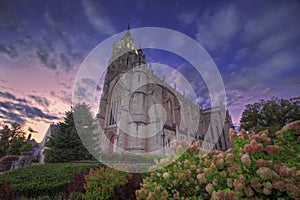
(26,147)
(86,127)
(42,180)
(102,182)
(13,140)
(76,196)
(290,155)
(270,114)
(65,145)
(253,168)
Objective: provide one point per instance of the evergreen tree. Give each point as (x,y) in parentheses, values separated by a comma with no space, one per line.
(87,128)
(65,145)
(4,140)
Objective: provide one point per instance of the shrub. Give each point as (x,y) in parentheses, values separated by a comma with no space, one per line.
(254,168)
(5,189)
(75,189)
(6,162)
(127,191)
(42,180)
(101,183)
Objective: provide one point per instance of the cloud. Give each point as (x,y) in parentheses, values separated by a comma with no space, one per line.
(240,54)
(53,46)
(95,15)
(7,95)
(66,85)
(86,90)
(8,18)
(65,62)
(40,100)
(44,57)
(10,117)
(279,17)
(62,95)
(235,98)
(9,50)
(218,27)
(51,54)
(187,17)
(89,82)
(20,112)
(66,40)
(267,92)
(80,93)
(10,96)
(253,45)
(42,49)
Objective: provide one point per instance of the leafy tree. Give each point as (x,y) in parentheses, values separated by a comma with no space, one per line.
(13,140)
(270,114)
(65,145)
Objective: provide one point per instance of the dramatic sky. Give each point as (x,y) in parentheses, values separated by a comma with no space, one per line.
(255,44)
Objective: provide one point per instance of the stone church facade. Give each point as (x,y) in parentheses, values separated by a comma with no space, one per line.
(141,113)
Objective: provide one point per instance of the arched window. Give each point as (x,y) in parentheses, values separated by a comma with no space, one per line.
(115,105)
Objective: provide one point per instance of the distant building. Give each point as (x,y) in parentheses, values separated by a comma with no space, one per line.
(127,124)
(40,152)
(237,127)
(35,145)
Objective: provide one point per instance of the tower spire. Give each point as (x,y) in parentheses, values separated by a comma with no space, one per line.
(128,28)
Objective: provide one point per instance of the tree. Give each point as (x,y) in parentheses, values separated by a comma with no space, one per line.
(270,114)
(65,145)
(13,140)
(87,128)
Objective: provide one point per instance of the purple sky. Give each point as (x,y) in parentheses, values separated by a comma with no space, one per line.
(255,44)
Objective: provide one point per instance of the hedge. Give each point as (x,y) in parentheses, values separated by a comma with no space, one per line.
(40,180)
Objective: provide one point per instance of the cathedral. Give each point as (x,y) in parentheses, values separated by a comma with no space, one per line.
(141,113)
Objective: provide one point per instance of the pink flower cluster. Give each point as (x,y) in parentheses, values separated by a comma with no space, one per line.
(246,159)
(265,173)
(253,147)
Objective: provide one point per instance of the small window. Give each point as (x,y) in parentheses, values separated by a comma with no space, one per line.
(220,144)
(212,133)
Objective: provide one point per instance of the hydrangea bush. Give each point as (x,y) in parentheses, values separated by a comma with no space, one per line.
(258,167)
(112,184)
(101,183)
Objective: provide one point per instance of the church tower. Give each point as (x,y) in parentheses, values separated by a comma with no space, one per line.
(130,116)
(125,57)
